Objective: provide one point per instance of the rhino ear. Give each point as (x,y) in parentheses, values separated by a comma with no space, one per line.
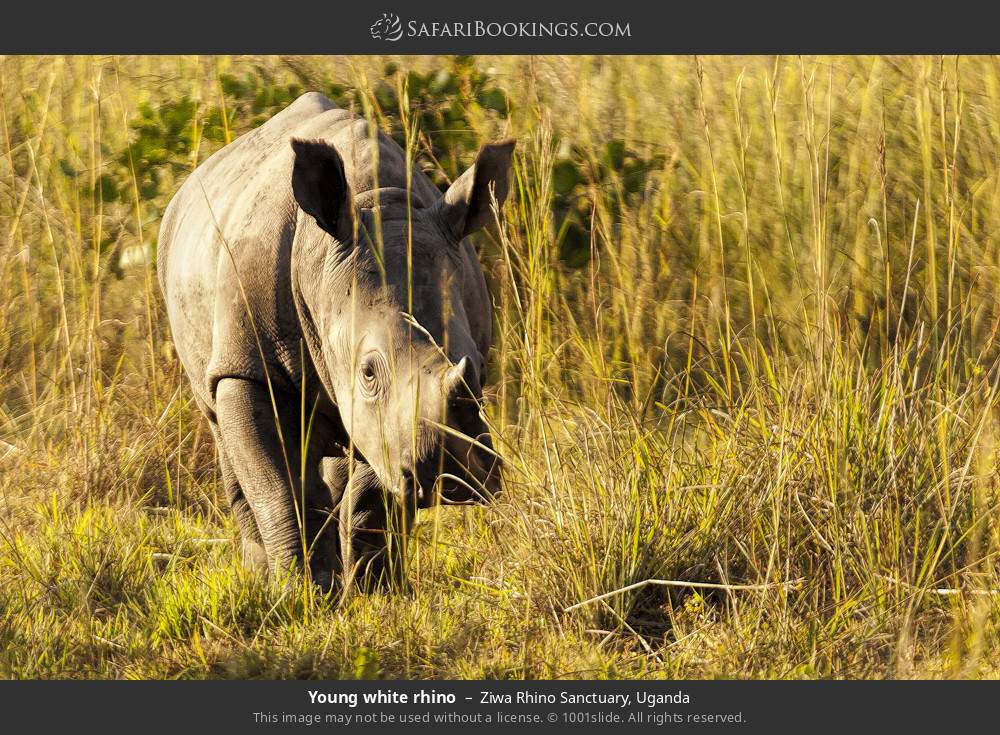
(320,187)
(467,205)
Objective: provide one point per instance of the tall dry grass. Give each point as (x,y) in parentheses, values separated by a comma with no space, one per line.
(770,388)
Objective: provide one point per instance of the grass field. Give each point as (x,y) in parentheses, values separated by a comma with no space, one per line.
(746,328)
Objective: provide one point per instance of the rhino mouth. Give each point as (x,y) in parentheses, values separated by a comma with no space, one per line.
(444,480)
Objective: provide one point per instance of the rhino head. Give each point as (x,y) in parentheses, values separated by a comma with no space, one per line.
(393,324)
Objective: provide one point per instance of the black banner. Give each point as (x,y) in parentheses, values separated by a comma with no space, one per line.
(514,27)
(485,706)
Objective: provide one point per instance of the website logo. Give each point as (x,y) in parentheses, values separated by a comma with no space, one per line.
(390,28)
(387,28)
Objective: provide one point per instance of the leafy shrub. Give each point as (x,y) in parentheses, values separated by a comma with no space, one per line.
(615,173)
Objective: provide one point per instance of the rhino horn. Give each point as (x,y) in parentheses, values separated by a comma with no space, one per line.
(455,375)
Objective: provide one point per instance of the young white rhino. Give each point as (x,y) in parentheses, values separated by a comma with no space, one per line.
(321,302)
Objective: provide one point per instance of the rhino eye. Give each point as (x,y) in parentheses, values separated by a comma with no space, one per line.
(370,374)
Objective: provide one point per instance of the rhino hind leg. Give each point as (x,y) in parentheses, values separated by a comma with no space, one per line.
(372,527)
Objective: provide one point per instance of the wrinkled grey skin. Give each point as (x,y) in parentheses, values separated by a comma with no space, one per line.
(268,261)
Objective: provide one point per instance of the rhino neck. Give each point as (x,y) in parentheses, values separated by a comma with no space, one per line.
(313,253)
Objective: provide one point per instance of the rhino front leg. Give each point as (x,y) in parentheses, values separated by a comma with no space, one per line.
(254,555)
(372,526)
(266,466)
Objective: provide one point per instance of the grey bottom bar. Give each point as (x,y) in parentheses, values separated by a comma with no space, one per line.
(473,706)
